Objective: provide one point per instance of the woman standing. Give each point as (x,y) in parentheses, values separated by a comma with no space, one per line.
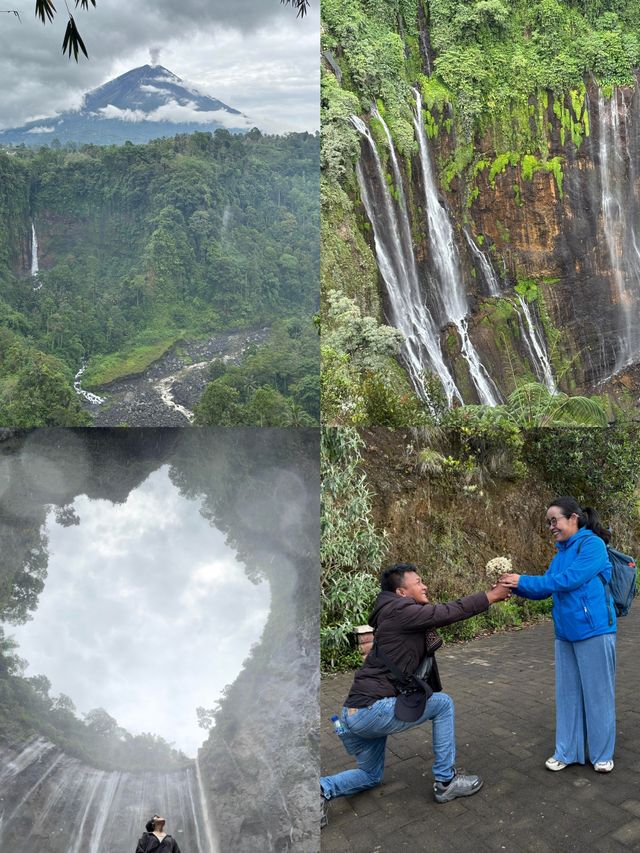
(585,630)
(155,838)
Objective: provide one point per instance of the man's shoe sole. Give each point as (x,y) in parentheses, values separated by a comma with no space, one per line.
(459,794)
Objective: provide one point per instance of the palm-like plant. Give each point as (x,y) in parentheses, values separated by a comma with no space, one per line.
(532,405)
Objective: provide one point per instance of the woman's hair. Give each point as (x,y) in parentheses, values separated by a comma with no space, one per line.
(149,825)
(587,517)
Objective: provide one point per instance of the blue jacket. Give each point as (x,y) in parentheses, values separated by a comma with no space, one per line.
(581,606)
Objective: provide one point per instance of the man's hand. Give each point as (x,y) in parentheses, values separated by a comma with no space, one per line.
(499,592)
(511,580)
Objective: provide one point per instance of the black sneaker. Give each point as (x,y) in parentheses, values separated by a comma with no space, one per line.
(324,811)
(459,786)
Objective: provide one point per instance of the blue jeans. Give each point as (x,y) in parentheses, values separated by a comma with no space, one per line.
(586,699)
(366,739)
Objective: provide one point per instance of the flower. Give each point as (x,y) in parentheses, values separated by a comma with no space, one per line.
(497,567)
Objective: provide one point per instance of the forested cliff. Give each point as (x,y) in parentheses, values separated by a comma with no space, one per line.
(111,255)
(480,195)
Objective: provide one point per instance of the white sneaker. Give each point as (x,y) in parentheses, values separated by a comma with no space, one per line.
(603,766)
(554,764)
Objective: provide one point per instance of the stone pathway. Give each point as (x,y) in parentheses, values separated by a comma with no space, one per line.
(503,689)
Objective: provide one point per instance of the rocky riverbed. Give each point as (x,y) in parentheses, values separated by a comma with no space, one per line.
(165,393)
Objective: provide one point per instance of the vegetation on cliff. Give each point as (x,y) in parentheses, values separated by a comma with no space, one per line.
(505,102)
(449,499)
(142,245)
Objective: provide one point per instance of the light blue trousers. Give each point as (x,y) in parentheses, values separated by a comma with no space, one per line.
(586,700)
(366,739)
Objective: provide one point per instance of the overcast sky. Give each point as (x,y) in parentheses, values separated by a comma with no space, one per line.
(254,55)
(145,612)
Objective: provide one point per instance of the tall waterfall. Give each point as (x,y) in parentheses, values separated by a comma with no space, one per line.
(396,262)
(51,801)
(619,214)
(451,291)
(212,846)
(537,348)
(34,250)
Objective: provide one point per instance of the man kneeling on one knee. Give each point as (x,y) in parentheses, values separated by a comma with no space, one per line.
(403,620)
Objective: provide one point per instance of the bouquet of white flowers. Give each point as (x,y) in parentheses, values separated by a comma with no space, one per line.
(497,567)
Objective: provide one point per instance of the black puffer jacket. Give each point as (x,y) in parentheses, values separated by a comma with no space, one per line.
(149,843)
(400,626)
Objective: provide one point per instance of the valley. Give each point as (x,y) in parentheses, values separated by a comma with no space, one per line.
(112,256)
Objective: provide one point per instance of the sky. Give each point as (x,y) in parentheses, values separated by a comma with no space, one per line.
(146,612)
(254,55)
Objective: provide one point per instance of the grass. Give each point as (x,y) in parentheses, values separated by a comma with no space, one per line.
(105,369)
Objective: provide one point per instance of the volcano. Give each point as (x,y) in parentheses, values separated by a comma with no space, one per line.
(142,104)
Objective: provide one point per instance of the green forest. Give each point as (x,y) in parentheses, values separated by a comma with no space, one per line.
(144,246)
(490,74)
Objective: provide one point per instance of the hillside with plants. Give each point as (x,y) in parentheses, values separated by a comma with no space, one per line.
(479,198)
(114,257)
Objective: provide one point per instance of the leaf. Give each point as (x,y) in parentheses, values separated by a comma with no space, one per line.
(73,41)
(301,5)
(45,9)
(85,3)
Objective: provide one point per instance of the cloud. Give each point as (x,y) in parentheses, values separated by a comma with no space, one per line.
(225,47)
(41,129)
(176,113)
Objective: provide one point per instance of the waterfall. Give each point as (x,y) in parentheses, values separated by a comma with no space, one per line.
(617,182)
(488,272)
(51,801)
(537,349)
(451,290)
(396,262)
(34,250)
(212,847)
(88,396)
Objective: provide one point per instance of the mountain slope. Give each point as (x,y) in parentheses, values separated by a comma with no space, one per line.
(145,103)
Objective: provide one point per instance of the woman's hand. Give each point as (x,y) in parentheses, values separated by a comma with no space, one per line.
(511,580)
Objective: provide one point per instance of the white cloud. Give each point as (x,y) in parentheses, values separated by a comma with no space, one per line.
(41,129)
(176,113)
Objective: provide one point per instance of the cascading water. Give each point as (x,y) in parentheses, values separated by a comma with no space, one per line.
(396,262)
(450,290)
(34,250)
(51,801)
(537,348)
(94,399)
(35,267)
(488,272)
(212,845)
(619,215)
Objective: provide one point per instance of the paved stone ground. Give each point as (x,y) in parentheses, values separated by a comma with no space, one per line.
(503,689)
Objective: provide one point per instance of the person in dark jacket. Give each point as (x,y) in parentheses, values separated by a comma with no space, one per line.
(155,838)
(401,618)
(585,629)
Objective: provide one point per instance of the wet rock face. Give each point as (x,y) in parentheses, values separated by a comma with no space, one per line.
(583,240)
(51,801)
